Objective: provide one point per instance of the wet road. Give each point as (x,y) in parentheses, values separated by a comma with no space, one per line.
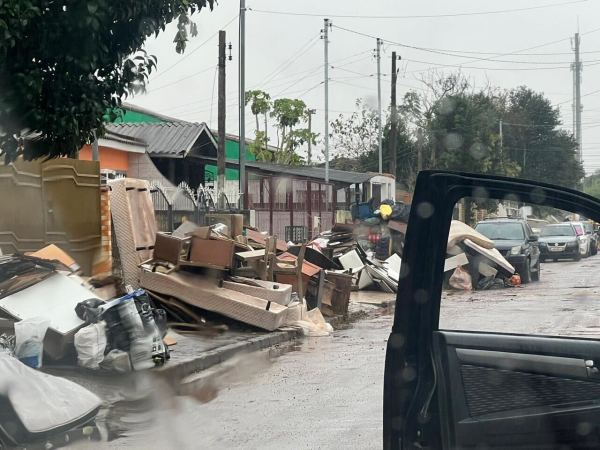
(327,392)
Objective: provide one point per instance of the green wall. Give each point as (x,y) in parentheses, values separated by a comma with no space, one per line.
(232,151)
(232,148)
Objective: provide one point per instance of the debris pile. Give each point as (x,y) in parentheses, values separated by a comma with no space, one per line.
(472,262)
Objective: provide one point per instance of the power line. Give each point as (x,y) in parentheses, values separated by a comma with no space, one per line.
(180,80)
(296,55)
(419,16)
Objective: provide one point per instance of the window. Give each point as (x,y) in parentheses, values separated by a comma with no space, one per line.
(504,278)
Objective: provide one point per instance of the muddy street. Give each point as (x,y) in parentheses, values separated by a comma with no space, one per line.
(327,392)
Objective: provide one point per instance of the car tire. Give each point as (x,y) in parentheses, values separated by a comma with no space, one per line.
(578,257)
(526,273)
(595,249)
(535,276)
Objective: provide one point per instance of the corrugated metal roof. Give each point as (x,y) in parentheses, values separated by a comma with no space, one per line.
(340,176)
(316,173)
(169,139)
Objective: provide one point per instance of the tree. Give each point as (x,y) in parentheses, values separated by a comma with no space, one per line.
(533,140)
(64,64)
(591,184)
(260,104)
(288,114)
(355,136)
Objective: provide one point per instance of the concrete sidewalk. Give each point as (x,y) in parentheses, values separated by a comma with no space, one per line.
(194,353)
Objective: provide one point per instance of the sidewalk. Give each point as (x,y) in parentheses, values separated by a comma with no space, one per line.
(193,354)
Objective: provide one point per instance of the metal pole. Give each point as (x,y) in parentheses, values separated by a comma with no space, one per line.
(380,130)
(310,113)
(326,26)
(242,100)
(578,106)
(394,119)
(501,146)
(221,124)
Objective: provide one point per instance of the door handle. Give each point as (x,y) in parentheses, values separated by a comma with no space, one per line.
(591,369)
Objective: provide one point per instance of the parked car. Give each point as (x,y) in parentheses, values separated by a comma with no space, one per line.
(517,243)
(475,388)
(591,233)
(560,240)
(584,239)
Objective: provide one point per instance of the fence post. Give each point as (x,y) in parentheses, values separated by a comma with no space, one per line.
(170,219)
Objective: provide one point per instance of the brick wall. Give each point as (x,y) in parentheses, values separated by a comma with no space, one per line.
(103,264)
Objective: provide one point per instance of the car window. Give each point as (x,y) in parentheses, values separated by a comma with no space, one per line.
(499,230)
(558,230)
(543,287)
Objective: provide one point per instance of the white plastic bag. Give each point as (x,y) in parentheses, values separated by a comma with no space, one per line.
(90,343)
(29,340)
(461,280)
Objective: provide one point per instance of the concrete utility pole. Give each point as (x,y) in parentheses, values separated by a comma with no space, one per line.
(577,108)
(326,26)
(394,119)
(380,124)
(221,124)
(310,112)
(95,152)
(419,149)
(242,100)
(501,144)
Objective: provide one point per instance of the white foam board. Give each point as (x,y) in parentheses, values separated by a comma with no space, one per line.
(455,261)
(54,298)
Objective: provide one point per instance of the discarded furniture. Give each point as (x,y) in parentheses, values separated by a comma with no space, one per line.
(281,266)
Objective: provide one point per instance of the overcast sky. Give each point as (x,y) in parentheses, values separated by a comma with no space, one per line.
(284,54)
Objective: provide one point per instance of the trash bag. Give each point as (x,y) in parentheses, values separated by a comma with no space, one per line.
(29,340)
(461,280)
(87,310)
(490,282)
(90,343)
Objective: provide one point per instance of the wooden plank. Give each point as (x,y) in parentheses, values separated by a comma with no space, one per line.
(252,255)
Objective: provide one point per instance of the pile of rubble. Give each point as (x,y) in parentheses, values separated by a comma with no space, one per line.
(473,262)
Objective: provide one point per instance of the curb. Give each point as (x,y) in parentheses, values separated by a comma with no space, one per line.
(221,354)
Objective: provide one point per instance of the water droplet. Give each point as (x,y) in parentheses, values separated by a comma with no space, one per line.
(479,151)
(453,141)
(425,210)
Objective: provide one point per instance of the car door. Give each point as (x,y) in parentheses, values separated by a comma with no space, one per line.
(534,247)
(470,389)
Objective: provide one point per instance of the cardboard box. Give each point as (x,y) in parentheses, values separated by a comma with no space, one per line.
(212,253)
(54,253)
(234,222)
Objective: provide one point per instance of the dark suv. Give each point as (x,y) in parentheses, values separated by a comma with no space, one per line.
(517,243)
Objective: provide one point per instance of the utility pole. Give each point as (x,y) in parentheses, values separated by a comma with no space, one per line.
(394,119)
(242,100)
(95,152)
(310,112)
(501,145)
(326,26)
(577,108)
(221,125)
(380,127)
(419,149)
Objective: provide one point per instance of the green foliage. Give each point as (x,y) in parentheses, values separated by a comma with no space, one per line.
(288,114)
(591,184)
(64,64)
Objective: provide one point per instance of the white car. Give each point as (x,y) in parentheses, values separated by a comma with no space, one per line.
(583,238)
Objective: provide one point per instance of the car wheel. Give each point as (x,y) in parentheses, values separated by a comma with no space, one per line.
(578,257)
(535,276)
(526,273)
(594,249)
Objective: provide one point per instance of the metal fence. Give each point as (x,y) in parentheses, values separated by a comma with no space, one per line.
(175,204)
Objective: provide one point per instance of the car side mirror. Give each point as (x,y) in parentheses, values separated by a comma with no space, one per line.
(533,238)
